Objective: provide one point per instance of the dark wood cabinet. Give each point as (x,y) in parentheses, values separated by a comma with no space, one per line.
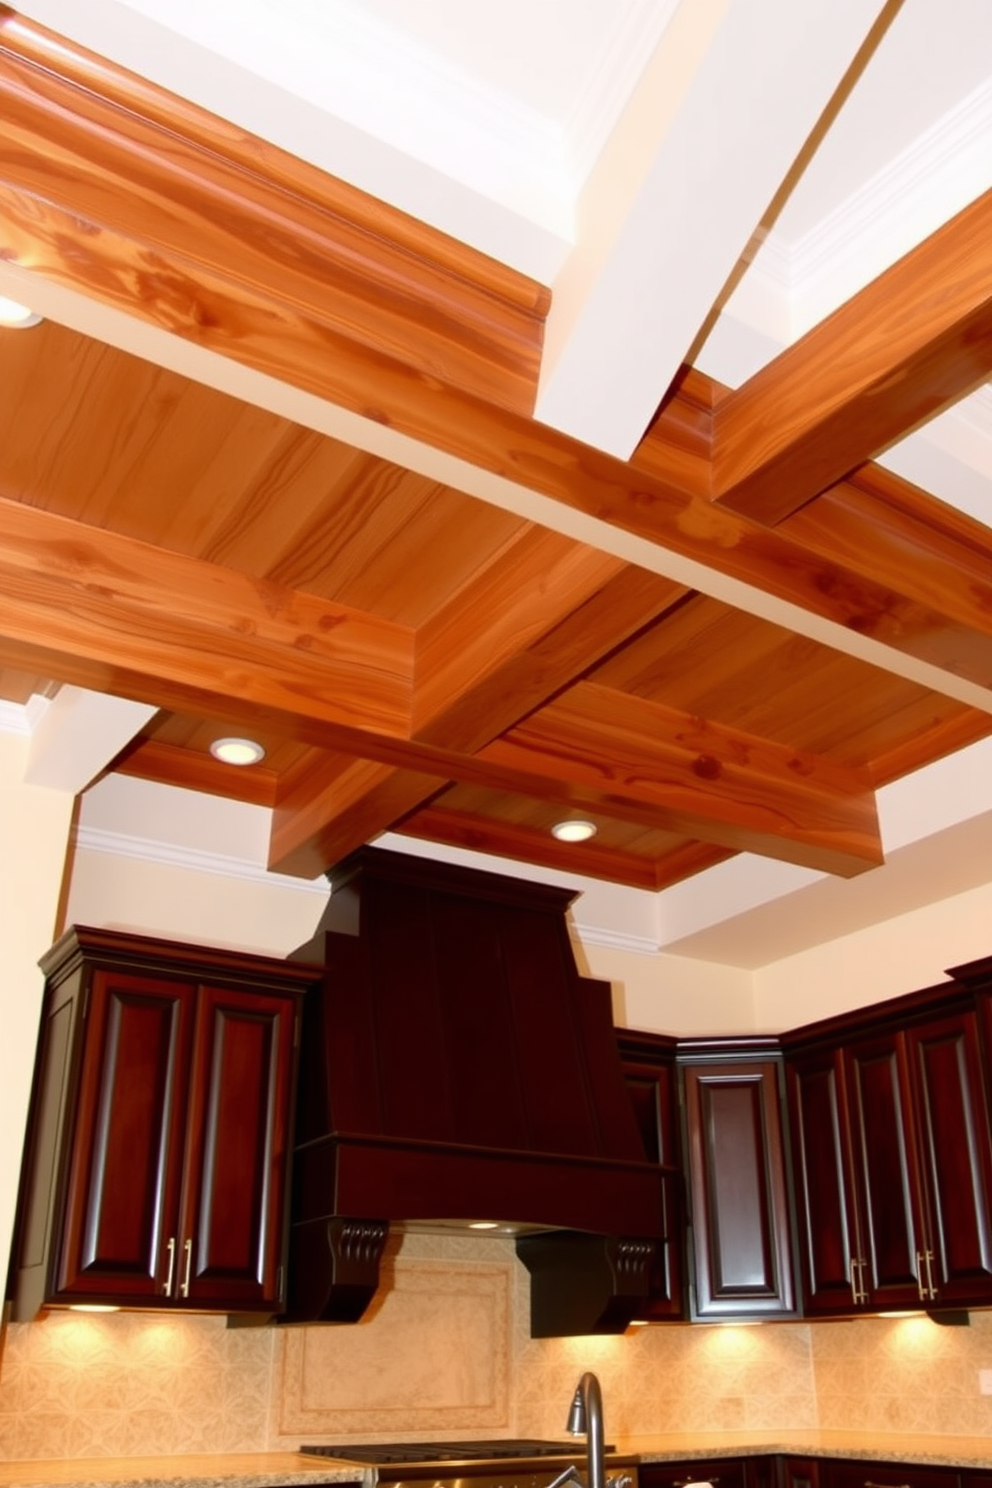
(721,1472)
(853,1474)
(740,1225)
(158,1154)
(894,1165)
(799,1472)
(650,1076)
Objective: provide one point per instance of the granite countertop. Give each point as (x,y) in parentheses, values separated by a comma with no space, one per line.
(292,1470)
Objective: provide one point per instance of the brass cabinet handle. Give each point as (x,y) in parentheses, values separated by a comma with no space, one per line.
(858,1293)
(188,1254)
(170,1246)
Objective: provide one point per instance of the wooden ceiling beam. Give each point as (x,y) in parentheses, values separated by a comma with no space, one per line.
(236,212)
(914,341)
(527,625)
(122,616)
(526,628)
(181,276)
(328,806)
(600,750)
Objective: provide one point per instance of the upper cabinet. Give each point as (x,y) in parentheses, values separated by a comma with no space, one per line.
(650,1076)
(893,1157)
(740,1229)
(157,1165)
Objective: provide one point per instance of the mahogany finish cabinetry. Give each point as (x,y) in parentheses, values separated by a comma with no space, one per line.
(722,1472)
(156,1171)
(804,1472)
(740,1226)
(651,1078)
(714,1108)
(893,1156)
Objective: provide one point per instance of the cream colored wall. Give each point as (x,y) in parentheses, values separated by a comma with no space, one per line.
(34,831)
(899,955)
(671,994)
(261,915)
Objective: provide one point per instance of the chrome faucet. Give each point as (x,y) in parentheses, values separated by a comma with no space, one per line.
(585,1417)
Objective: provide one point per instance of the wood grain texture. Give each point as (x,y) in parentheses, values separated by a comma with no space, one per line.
(607,751)
(510,639)
(915,340)
(177,631)
(384,631)
(655,867)
(240,211)
(662,495)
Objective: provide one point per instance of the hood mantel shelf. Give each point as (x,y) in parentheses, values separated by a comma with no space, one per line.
(456,1067)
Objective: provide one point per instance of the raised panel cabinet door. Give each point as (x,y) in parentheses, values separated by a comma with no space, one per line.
(721,1472)
(126,1155)
(234,1194)
(884,1149)
(953,1125)
(741,1240)
(830,1248)
(851,1474)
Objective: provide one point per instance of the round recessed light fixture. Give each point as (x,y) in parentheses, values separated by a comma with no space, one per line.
(17,317)
(483,1224)
(237,751)
(573,831)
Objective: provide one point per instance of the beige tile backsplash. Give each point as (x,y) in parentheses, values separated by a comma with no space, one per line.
(446,1351)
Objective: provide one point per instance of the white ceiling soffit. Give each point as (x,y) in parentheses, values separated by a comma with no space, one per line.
(77,736)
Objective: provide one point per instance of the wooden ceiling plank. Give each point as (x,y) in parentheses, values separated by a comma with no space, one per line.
(600,750)
(192,769)
(882,528)
(180,628)
(914,341)
(205,191)
(521,844)
(530,623)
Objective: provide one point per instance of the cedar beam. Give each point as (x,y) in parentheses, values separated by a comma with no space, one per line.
(600,750)
(906,347)
(124,616)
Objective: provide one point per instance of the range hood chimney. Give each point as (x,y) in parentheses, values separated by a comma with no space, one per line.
(455,1067)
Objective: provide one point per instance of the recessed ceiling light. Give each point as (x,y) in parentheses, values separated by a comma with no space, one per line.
(573,831)
(237,751)
(483,1224)
(16,315)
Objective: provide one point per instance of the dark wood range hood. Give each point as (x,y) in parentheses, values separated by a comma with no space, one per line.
(455,1067)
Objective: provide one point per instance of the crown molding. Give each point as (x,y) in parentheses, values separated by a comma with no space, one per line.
(169,855)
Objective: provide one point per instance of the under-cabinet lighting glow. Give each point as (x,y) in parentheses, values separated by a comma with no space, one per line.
(92,1307)
(237,751)
(17,316)
(573,831)
(483,1224)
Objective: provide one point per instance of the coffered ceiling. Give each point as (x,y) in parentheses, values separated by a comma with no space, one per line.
(503,431)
